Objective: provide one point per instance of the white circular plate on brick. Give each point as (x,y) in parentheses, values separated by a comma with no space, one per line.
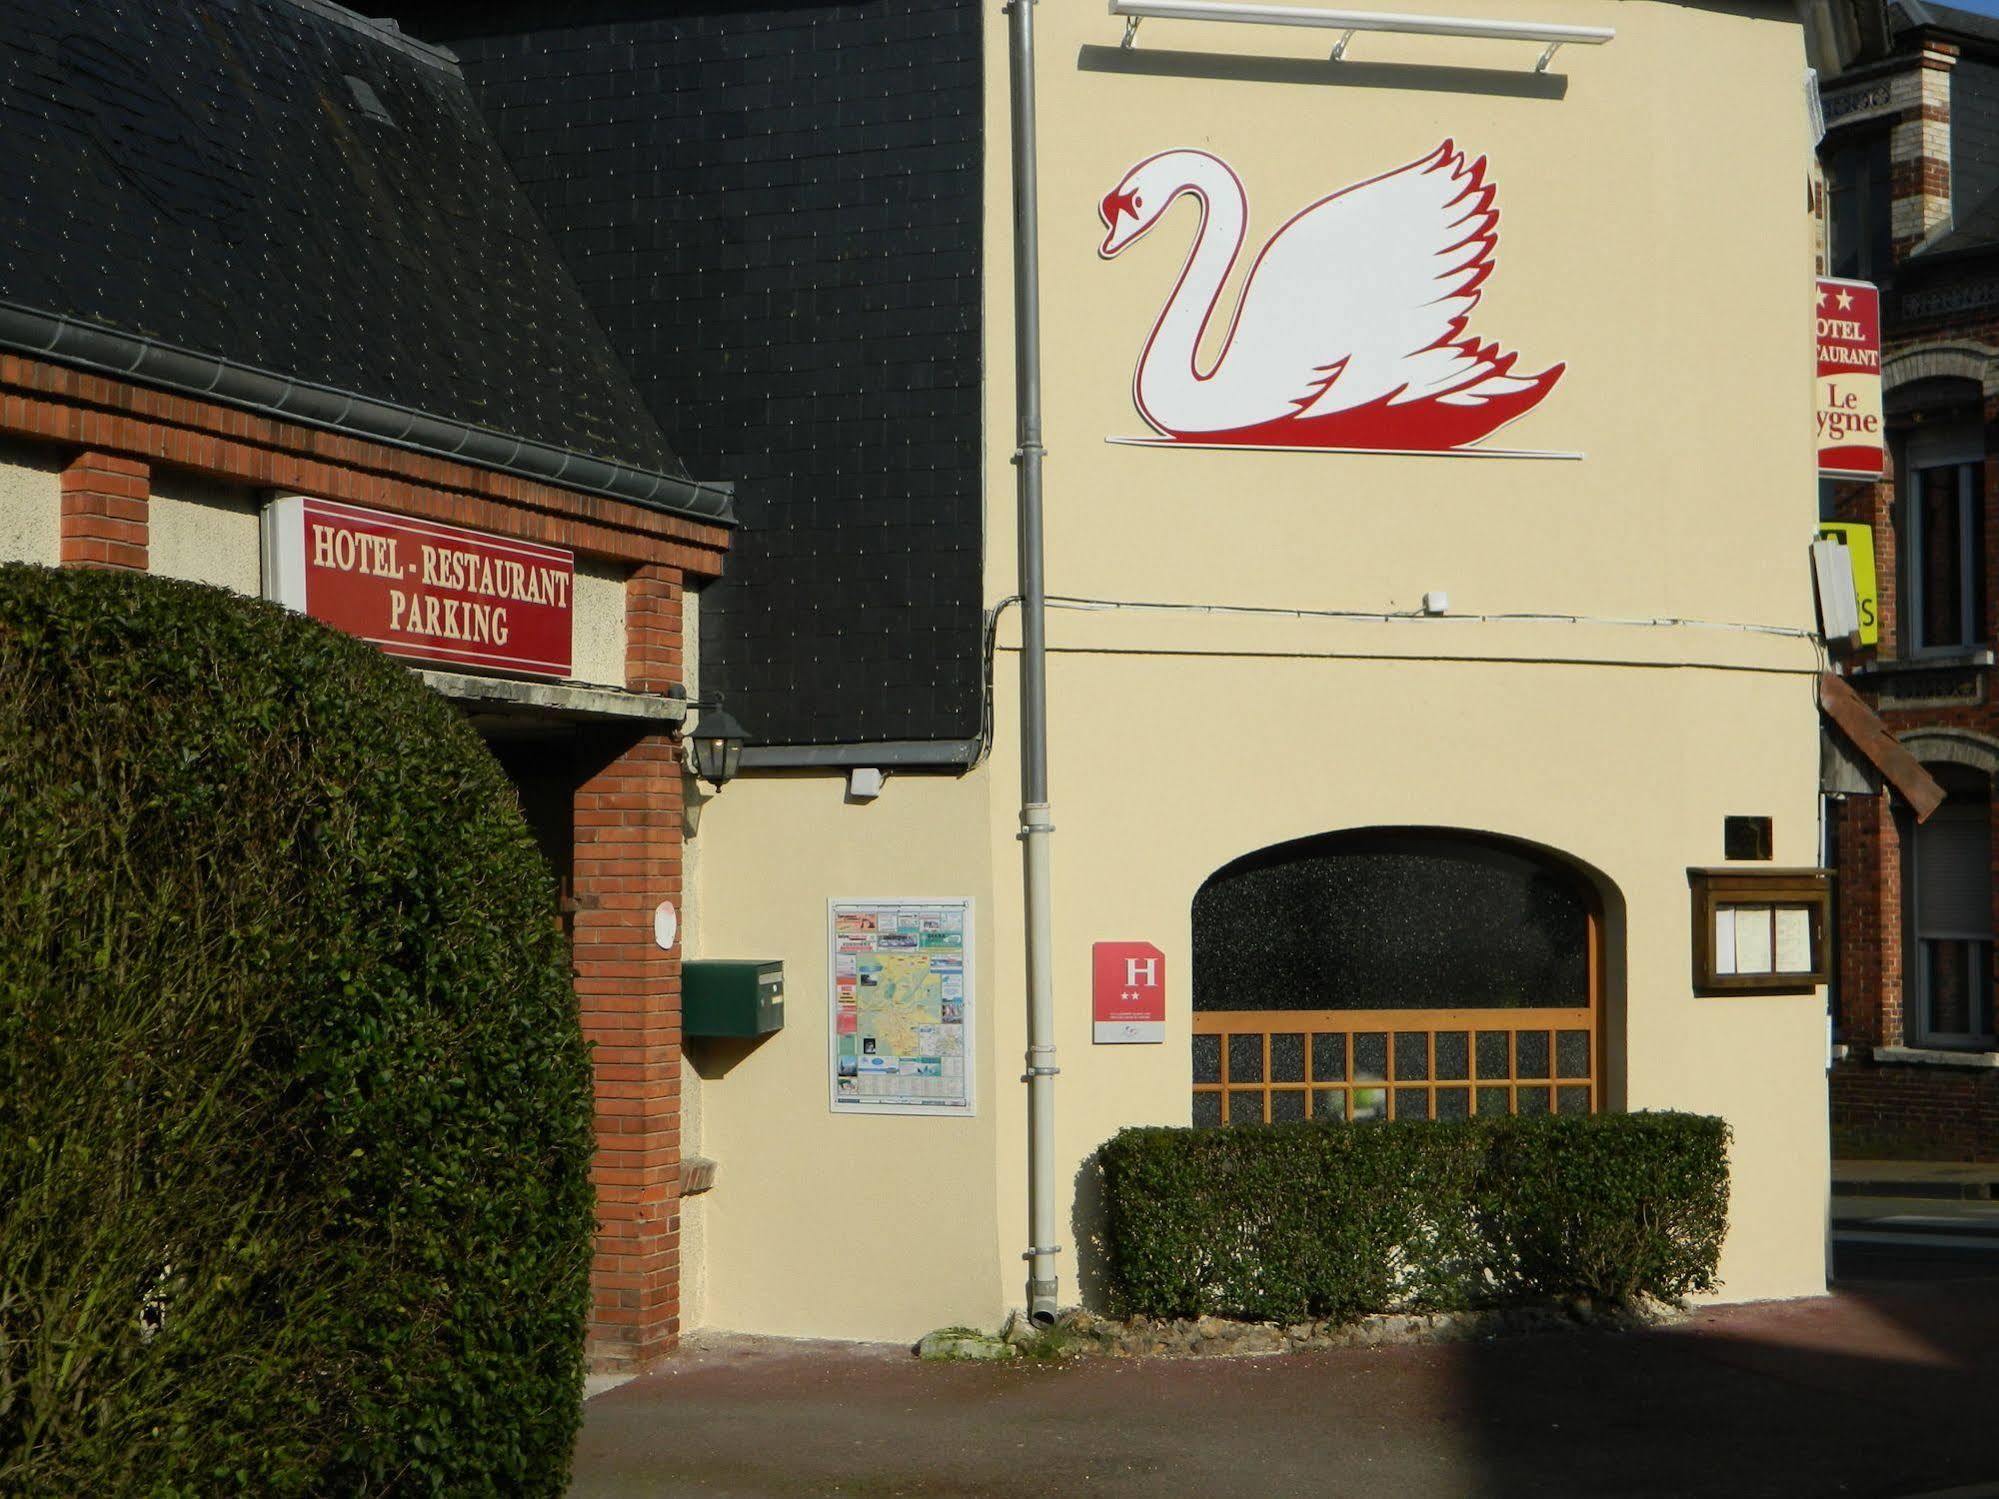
(665,924)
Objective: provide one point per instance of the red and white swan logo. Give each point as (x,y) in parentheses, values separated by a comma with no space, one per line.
(1350,329)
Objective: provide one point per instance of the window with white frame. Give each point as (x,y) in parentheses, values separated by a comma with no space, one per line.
(1944,581)
(1953,920)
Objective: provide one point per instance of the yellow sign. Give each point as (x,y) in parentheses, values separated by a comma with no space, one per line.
(1858,539)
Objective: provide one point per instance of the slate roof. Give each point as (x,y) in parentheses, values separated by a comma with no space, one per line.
(775,208)
(281,205)
(1977,230)
(1904,15)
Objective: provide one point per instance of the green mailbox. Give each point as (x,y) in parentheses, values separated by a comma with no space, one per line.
(731,997)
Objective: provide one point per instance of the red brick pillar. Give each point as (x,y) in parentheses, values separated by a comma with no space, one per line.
(1870,922)
(627,860)
(104,512)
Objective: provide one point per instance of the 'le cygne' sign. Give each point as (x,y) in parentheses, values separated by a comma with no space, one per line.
(420,589)
(1849,379)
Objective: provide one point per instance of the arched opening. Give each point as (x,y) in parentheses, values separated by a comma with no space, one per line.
(1426,973)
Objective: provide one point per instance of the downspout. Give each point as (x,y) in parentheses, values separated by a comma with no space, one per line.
(1035,826)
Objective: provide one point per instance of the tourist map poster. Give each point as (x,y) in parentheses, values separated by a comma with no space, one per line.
(899,1014)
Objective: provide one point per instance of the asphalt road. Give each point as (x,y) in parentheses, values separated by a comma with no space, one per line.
(1885,1390)
(1905,1240)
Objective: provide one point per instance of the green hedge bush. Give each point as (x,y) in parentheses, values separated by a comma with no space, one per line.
(295,1119)
(1292,1221)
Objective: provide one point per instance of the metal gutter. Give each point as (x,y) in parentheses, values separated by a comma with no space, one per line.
(951,754)
(1037,825)
(68,341)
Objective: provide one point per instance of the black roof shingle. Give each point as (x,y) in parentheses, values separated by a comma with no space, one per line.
(280,204)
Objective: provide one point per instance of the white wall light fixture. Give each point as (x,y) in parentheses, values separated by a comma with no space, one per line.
(1348,22)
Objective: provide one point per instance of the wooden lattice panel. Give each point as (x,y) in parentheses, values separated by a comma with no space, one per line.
(1260,1066)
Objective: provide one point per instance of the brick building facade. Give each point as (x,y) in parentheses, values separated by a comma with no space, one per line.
(1911,158)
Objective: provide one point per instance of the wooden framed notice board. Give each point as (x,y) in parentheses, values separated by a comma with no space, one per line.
(1761,931)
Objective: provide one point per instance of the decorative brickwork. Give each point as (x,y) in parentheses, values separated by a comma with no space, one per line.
(1919,147)
(104,505)
(51,403)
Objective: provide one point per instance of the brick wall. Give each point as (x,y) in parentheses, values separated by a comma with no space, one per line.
(627,860)
(1951,1111)
(1941,159)
(1870,923)
(104,508)
(130,425)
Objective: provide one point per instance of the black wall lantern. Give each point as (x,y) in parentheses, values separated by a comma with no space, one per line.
(716,741)
(718,745)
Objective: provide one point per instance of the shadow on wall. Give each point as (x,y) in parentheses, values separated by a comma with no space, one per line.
(715,1057)
(1143,60)
(1086,1232)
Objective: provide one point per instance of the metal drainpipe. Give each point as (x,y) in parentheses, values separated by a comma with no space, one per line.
(1035,826)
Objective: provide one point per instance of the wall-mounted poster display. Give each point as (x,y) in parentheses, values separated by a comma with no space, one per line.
(899,1007)
(1849,382)
(1352,332)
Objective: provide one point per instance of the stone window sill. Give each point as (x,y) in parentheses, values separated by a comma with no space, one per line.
(1936,661)
(1927,1056)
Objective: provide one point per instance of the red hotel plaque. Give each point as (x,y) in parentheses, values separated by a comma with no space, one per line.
(1129,993)
(420,589)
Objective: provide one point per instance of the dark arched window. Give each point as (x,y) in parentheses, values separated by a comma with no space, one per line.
(1416,972)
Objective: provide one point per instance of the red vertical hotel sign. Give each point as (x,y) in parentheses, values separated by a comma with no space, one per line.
(1849,379)
(423,590)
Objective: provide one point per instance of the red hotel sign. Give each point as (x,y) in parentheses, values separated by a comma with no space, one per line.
(423,590)
(1129,993)
(1849,379)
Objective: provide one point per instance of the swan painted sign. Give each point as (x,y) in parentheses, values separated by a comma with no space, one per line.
(1349,333)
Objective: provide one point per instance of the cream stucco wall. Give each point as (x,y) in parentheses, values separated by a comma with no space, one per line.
(1658,247)
(1664,254)
(863,1227)
(30,504)
(597,639)
(1654,237)
(205,531)
(1606,764)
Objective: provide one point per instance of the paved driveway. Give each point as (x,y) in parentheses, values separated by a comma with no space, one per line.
(1890,1388)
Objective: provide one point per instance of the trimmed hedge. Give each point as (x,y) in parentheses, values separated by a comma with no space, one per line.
(1287,1222)
(295,1109)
